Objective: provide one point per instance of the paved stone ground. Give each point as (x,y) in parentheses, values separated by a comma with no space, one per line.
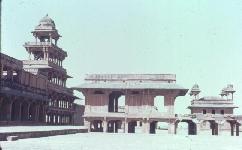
(121,141)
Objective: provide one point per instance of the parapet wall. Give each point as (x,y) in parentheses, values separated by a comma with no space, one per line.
(130,77)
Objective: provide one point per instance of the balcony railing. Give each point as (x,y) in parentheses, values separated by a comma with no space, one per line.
(17,86)
(111,77)
(60,88)
(44,62)
(39,43)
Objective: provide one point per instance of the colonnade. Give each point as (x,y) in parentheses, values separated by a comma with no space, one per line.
(150,126)
(119,125)
(60,104)
(59,119)
(17,109)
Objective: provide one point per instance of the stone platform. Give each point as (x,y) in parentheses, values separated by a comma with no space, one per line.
(22,132)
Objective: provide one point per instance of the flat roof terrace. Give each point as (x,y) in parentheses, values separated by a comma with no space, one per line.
(155,82)
(131,77)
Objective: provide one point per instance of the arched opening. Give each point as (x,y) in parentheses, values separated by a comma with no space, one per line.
(222,112)
(131,126)
(116,102)
(186,127)
(153,126)
(162,127)
(3,109)
(96,126)
(15,111)
(159,104)
(234,127)
(32,112)
(204,111)
(213,111)
(114,126)
(213,127)
(192,128)
(24,111)
(41,114)
(182,128)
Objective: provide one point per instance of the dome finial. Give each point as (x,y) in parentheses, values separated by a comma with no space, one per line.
(195,91)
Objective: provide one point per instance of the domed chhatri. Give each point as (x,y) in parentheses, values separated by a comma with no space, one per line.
(46,20)
(195,91)
(46,23)
(46,30)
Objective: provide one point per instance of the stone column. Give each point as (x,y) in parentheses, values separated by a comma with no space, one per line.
(126,126)
(47,53)
(1,101)
(232,128)
(123,126)
(51,118)
(36,118)
(8,109)
(50,38)
(220,124)
(105,126)
(20,111)
(116,105)
(198,124)
(10,74)
(171,128)
(1,71)
(146,126)
(88,125)
(169,104)
(237,129)
(44,51)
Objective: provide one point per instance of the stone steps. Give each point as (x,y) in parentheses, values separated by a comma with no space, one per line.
(12,136)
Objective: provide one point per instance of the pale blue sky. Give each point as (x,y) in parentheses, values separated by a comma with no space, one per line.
(199,41)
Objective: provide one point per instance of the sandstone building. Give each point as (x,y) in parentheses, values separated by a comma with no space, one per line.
(43,76)
(102,93)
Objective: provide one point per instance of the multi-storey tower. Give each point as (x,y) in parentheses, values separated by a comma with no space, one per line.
(46,58)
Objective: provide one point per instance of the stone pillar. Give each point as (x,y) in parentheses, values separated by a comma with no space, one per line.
(220,124)
(10,74)
(37,113)
(47,53)
(56,119)
(20,111)
(169,104)
(105,126)
(232,128)
(146,126)
(123,126)
(88,125)
(198,125)
(1,101)
(171,128)
(50,38)
(8,110)
(237,129)
(126,126)
(51,118)
(1,70)
(116,105)
(44,51)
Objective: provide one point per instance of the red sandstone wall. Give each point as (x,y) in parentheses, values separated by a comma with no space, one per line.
(32,80)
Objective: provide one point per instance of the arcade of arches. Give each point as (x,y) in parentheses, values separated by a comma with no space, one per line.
(144,126)
(17,110)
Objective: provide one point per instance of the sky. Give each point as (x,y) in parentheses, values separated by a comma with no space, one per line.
(198,40)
